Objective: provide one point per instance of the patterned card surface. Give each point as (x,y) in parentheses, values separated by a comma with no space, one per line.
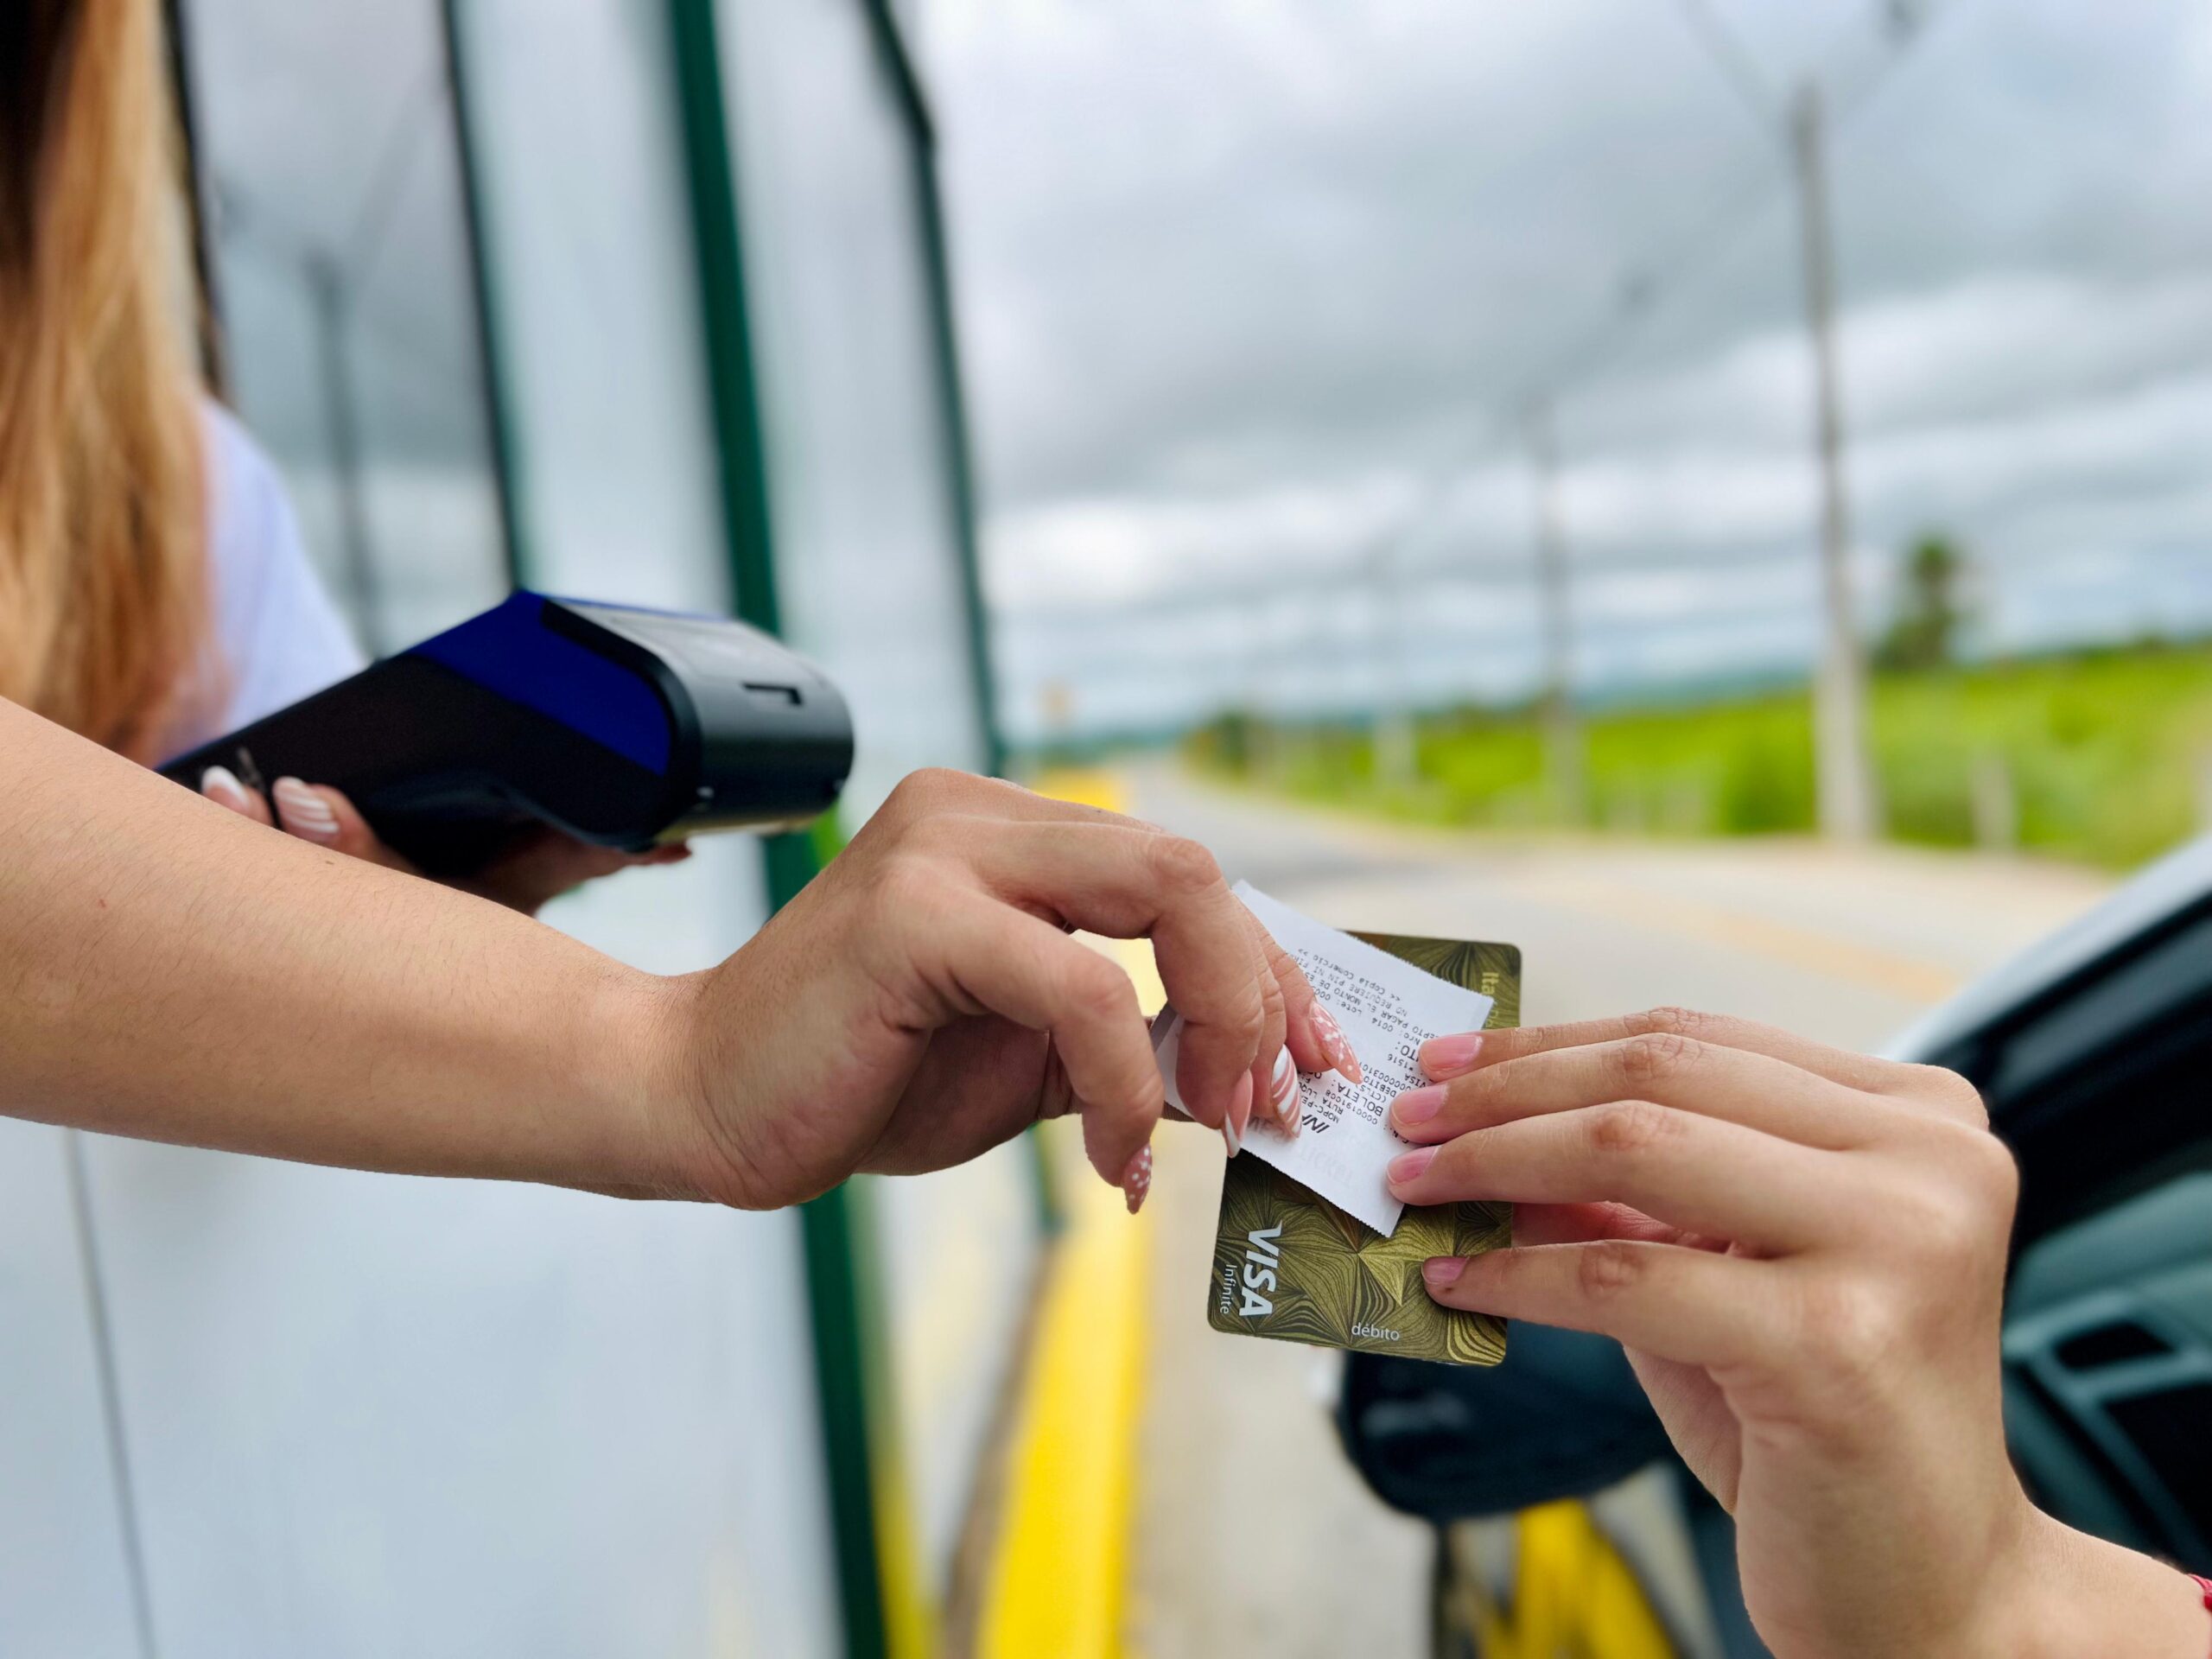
(1292,1266)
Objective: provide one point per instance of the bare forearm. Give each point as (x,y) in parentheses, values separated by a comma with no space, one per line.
(169,970)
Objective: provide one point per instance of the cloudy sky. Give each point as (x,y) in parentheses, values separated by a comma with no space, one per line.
(1253,293)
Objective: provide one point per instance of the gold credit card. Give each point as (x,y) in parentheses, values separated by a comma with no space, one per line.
(1290,1265)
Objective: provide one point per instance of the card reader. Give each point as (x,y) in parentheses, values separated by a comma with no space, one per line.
(624,727)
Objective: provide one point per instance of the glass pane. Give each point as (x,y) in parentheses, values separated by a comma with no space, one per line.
(326,149)
(868,575)
(590,252)
(867,563)
(591,256)
(362,1408)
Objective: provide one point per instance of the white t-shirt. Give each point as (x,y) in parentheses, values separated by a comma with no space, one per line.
(280,636)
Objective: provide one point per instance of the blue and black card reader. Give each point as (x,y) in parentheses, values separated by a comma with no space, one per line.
(624,727)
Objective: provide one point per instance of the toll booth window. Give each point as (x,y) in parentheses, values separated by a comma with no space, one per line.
(330,183)
(590,251)
(868,560)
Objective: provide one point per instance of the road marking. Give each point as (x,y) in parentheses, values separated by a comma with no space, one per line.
(1758,936)
(1386,842)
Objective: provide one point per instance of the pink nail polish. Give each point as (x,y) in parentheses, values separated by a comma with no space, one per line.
(1442,1272)
(1136,1179)
(1408,1166)
(304,812)
(1419,1105)
(1283,1085)
(1448,1056)
(1331,1036)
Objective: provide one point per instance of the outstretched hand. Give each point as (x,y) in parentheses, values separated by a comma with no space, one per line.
(921,1001)
(1803,1252)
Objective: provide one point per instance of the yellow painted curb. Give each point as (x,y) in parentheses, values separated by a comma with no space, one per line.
(1057,1586)
(1058,1581)
(1098,786)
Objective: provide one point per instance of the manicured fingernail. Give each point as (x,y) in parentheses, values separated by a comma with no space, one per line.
(1283,1104)
(1238,1114)
(220,784)
(305,813)
(1419,1105)
(1331,1036)
(1136,1179)
(1442,1272)
(1448,1056)
(1407,1166)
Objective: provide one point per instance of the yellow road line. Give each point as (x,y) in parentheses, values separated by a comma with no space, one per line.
(1871,966)
(1758,936)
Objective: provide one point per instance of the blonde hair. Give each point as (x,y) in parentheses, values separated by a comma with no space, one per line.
(104,581)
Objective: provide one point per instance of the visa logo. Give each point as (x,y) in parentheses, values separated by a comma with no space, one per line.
(1262,1255)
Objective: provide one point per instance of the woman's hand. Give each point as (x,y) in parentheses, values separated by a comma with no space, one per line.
(921,1001)
(1803,1251)
(168,971)
(540,866)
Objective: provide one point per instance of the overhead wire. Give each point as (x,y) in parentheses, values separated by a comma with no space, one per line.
(1647,286)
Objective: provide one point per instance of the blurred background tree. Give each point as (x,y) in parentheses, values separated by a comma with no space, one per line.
(1931,609)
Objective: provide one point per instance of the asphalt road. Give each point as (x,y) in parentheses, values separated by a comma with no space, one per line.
(1253,1536)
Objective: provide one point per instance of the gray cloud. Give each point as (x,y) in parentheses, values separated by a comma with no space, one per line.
(1240,284)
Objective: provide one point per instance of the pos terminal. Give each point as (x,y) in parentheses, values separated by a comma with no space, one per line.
(622,727)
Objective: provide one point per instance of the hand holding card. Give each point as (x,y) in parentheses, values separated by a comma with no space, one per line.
(1289,1264)
(1387,1009)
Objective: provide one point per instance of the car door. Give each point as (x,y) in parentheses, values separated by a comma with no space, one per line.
(2094,1054)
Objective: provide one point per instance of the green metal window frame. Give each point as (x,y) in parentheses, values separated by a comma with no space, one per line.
(886,1611)
(884,1608)
(498,412)
(898,62)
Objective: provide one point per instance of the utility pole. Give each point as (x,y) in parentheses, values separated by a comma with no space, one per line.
(1397,764)
(1564,757)
(1849,808)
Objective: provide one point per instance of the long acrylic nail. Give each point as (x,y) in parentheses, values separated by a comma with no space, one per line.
(305,813)
(1408,1166)
(1239,1114)
(1418,1105)
(220,784)
(1136,1179)
(1331,1036)
(1442,1272)
(1443,1057)
(1282,1092)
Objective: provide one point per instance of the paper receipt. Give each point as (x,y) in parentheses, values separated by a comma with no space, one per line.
(1388,1009)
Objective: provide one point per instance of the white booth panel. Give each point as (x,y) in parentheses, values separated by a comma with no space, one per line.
(64,1582)
(371,1414)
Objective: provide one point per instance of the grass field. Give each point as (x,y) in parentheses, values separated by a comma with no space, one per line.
(2104,757)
